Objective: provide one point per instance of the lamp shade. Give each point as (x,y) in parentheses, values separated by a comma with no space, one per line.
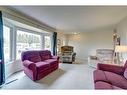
(119,48)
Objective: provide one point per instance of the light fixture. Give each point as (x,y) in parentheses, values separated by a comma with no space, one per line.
(75,33)
(119,49)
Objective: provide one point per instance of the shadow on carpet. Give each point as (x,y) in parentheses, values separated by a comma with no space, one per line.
(52,77)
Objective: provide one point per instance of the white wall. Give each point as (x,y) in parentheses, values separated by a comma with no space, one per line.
(13,67)
(61,40)
(122,32)
(86,43)
(61,37)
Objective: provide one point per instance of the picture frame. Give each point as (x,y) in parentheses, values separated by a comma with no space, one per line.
(58,41)
(118,41)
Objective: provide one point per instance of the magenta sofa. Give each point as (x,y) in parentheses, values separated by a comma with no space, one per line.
(38,64)
(110,76)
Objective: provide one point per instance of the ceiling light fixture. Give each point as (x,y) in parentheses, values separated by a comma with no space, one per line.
(75,33)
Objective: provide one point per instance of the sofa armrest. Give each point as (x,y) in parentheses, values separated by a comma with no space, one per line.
(111,68)
(55,57)
(29,64)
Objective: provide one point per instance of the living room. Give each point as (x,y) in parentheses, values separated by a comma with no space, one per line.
(85,28)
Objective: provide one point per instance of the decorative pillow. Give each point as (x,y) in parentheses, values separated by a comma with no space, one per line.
(125,73)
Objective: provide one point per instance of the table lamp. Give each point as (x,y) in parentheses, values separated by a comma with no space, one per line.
(119,49)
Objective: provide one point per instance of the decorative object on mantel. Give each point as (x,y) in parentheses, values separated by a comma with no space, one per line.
(116,38)
(58,46)
(116,41)
(119,49)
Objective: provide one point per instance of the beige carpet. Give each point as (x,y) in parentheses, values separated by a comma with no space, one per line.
(68,76)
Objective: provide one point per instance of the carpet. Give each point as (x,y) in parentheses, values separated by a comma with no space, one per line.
(68,76)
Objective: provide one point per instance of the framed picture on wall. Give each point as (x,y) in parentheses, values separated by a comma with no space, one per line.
(118,41)
(58,41)
(58,46)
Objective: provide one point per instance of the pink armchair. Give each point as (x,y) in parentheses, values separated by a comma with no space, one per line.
(38,64)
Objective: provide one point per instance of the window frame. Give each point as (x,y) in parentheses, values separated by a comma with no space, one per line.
(27,31)
(50,35)
(13,37)
(11,42)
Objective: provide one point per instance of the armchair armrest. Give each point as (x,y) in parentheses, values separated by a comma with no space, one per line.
(111,68)
(29,64)
(73,54)
(92,57)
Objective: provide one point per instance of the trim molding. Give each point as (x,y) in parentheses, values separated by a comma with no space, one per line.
(11,13)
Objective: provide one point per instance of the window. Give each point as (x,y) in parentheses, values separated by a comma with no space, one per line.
(27,41)
(17,39)
(47,43)
(6,35)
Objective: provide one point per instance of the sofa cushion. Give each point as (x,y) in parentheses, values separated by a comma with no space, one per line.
(51,61)
(109,77)
(103,85)
(116,80)
(46,54)
(99,75)
(41,66)
(117,88)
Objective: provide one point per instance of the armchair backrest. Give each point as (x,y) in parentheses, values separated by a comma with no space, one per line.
(105,55)
(67,54)
(67,49)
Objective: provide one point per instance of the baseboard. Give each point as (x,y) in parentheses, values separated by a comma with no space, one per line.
(11,81)
(2,85)
(13,73)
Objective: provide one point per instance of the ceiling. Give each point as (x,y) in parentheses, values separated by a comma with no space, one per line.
(75,18)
